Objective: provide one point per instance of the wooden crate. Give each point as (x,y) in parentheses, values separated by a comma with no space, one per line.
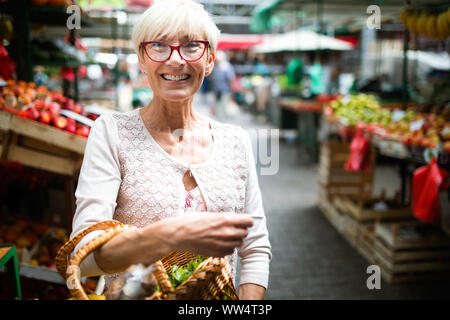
(363,209)
(332,214)
(5,119)
(338,181)
(411,251)
(40,146)
(352,229)
(365,242)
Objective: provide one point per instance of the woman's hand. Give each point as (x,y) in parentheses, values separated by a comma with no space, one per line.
(209,234)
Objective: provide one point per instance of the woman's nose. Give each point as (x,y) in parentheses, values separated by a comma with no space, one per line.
(176,57)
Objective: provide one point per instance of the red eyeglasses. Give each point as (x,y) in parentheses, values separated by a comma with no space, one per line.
(190,51)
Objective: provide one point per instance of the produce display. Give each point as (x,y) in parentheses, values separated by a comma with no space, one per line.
(57,51)
(428,130)
(360,108)
(27,100)
(432,25)
(37,242)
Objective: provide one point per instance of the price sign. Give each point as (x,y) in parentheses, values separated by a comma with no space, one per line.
(397,115)
(416,125)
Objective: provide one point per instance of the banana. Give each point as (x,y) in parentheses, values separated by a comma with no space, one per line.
(447,21)
(412,22)
(431,26)
(422,24)
(404,16)
(441,26)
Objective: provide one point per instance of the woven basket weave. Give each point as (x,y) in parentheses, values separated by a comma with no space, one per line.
(211,280)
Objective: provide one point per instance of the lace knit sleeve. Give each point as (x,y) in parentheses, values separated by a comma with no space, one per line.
(255,252)
(98,185)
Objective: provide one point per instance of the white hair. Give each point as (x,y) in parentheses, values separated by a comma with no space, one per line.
(166,19)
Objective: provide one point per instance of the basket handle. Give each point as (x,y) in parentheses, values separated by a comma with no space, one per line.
(71,272)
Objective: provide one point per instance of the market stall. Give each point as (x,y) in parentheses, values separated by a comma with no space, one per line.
(396,108)
(43,133)
(373,224)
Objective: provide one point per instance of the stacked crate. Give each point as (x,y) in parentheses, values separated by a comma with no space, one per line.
(380,235)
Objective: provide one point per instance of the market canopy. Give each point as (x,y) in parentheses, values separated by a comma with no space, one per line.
(301,40)
(239,41)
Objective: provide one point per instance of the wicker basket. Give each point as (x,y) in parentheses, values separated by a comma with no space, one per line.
(211,280)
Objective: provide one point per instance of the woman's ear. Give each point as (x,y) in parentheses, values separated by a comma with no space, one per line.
(141,66)
(210,63)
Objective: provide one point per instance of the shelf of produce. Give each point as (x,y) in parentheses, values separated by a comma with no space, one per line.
(41,146)
(40,273)
(72,64)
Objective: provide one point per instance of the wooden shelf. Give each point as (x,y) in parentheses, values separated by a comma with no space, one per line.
(40,273)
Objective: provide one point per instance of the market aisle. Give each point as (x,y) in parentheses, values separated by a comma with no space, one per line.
(310,258)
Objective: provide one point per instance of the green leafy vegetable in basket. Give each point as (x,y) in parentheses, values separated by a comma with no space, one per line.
(181,274)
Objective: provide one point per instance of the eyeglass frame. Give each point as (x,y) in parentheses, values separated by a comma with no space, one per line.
(177,48)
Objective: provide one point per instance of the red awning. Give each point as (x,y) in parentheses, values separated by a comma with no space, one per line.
(350,39)
(238,41)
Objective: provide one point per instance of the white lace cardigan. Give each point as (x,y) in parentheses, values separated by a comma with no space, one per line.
(127,176)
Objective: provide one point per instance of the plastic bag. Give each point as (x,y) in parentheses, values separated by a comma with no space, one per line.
(359,158)
(426,184)
(136,283)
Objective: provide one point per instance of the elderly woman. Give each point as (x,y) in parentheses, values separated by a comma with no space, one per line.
(137,171)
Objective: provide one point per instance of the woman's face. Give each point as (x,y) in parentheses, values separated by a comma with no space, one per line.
(161,74)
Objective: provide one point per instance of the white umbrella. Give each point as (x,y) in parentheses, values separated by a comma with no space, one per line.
(300,40)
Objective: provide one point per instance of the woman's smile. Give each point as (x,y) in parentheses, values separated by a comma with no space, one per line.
(175,77)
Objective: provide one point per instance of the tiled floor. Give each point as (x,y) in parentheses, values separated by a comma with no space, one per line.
(310,258)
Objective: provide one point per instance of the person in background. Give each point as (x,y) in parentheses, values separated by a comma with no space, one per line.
(222,76)
(316,75)
(262,89)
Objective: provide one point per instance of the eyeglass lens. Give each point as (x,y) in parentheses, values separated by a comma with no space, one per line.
(189,51)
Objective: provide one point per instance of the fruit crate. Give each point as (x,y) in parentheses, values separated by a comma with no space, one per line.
(40,146)
(338,181)
(391,147)
(374,209)
(411,251)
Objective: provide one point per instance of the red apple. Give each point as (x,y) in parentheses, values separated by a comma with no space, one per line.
(39,104)
(24,114)
(77,108)
(71,121)
(83,131)
(45,117)
(71,128)
(60,122)
(92,116)
(33,114)
(54,107)
(69,104)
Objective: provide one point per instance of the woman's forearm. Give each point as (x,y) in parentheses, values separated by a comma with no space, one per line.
(212,234)
(146,245)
